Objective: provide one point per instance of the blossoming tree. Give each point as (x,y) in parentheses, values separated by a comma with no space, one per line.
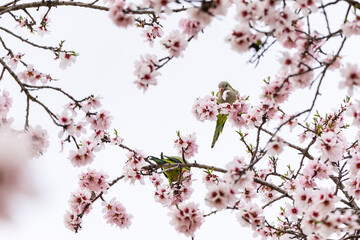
(315,195)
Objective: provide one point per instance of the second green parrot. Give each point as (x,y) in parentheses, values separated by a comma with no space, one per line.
(173,174)
(226,94)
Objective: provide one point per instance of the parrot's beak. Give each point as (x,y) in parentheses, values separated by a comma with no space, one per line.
(222,91)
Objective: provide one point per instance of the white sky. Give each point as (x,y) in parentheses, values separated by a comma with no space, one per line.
(146,121)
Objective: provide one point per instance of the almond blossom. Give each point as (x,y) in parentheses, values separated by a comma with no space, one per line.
(146,72)
(175,43)
(352,77)
(93,180)
(220,196)
(39,140)
(115,214)
(186,145)
(5,103)
(119,16)
(66,59)
(206,108)
(186,218)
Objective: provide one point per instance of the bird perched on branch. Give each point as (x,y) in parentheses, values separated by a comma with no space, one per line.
(173,175)
(226,94)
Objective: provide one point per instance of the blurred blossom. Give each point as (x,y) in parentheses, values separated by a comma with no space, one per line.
(14,152)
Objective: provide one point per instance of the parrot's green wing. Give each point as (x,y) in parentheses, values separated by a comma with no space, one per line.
(173,174)
(220,123)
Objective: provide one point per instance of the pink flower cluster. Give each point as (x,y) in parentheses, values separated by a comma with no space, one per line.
(13,60)
(206,108)
(14,154)
(352,77)
(93,180)
(80,204)
(237,175)
(39,140)
(115,214)
(169,196)
(83,155)
(186,218)
(151,33)
(251,214)
(241,38)
(67,59)
(93,121)
(32,76)
(120,15)
(5,103)
(351,28)
(145,71)
(186,145)
(190,27)
(175,43)
(220,196)
(101,121)
(332,144)
(133,167)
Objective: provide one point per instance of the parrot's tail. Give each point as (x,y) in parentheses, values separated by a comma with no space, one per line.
(220,123)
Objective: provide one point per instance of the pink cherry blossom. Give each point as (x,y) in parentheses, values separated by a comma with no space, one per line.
(132,174)
(13,60)
(119,15)
(186,145)
(83,156)
(39,140)
(275,147)
(80,201)
(206,108)
(237,112)
(237,174)
(251,215)
(151,33)
(159,5)
(306,5)
(91,103)
(353,111)
(156,179)
(273,94)
(163,195)
(352,77)
(67,59)
(145,71)
(72,220)
(14,154)
(353,187)
(220,196)
(197,14)
(210,179)
(241,38)
(186,218)
(351,28)
(332,145)
(100,121)
(292,212)
(32,76)
(115,214)
(288,62)
(93,180)
(175,43)
(190,27)
(5,103)
(303,198)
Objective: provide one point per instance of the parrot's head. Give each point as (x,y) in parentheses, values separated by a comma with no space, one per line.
(223,86)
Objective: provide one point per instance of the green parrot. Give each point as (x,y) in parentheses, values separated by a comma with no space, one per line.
(171,175)
(226,94)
